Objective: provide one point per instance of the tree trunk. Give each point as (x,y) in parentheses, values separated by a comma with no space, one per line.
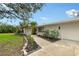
(26,43)
(24,31)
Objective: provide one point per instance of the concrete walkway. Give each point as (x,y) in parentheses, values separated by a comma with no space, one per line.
(59,48)
(41,42)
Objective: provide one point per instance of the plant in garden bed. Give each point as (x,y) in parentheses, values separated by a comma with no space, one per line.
(53,34)
(32,45)
(34,26)
(46,33)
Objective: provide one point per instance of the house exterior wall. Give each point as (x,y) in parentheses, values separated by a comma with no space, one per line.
(51,27)
(29,31)
(68,31)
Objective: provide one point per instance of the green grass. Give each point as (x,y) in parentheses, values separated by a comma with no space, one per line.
(10,44)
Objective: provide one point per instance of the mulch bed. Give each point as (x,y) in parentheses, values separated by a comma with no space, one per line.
(32,48)
(49,39)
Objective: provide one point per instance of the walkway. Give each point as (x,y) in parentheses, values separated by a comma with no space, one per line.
(41,42)
(59,48)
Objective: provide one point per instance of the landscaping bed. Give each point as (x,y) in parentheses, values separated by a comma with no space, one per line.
(49,39)
(32,45)
(50,35)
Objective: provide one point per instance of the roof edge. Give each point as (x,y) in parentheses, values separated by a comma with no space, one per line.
(65,21)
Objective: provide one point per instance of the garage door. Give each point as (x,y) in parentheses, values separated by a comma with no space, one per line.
(70,31)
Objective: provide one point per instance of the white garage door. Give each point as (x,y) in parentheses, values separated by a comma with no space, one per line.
(70,31)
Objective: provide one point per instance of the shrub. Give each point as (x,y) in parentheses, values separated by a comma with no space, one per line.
(33,30)
(33,27)
(5,28)
(46,32)
(30,39)
(51,33)
(54,34)
(18,31)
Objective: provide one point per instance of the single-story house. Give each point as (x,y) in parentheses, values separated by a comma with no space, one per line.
(68,29)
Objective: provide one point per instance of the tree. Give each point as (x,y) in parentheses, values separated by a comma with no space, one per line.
(24,26)
(21,11)
(34,27)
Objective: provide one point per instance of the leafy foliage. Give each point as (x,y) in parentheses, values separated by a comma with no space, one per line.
(23,11)
(5,28)
(51,33)
(46,33)
(18,30)
(34,27)
(54,33)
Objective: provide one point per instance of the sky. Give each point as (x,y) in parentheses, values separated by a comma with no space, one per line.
(50,13)
(54,12)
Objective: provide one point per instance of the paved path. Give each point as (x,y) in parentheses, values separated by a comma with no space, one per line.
(41,42)
(59,48)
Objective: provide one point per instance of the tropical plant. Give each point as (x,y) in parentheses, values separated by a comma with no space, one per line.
(51,34)
(46,33)
(34,27)
(54,34)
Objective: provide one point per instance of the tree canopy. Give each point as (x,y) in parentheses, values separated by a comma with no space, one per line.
(22,11)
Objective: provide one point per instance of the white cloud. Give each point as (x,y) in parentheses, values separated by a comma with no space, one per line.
(73,13)
(43,18)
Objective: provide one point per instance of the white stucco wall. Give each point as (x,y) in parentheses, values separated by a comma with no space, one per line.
(68,31)
(51,27)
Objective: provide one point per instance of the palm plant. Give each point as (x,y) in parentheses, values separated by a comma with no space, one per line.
(34,27)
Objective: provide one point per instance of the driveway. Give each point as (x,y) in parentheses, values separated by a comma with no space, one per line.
(58,48)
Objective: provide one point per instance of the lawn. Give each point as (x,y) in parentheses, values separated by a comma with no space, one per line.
(10,44)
